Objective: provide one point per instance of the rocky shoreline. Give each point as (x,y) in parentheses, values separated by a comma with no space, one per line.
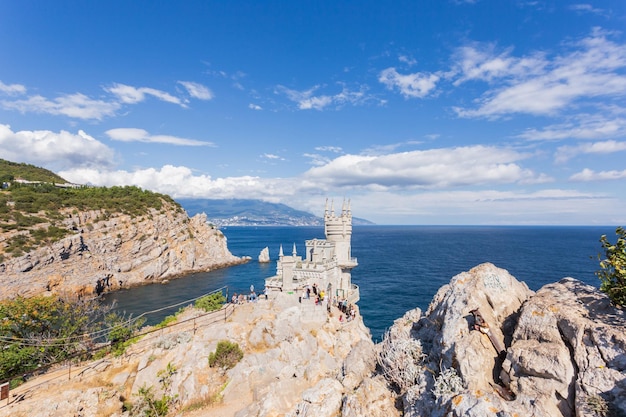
(109,252)
(564,355)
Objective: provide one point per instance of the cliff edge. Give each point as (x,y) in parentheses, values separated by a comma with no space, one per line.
(107,251)
(488,346)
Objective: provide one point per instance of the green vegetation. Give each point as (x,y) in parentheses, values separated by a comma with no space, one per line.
(226,355)
(150,406)
(12,170)
(42,330)
(613,268)
(211,302)
(34,210)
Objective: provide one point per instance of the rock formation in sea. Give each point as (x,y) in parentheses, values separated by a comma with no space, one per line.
(564,355)
(109,251)
(264,255)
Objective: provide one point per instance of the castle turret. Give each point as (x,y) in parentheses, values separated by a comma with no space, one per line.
(338,229)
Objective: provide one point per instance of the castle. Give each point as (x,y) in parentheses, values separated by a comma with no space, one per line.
(327,264)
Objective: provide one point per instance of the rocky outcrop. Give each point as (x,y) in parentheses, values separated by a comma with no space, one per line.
(564,350)
(298,360)
(109,251)
(264,255)
(486,346)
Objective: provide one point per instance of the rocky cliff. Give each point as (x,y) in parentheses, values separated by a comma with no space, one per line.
(109,251)
(298,360)
(486,346)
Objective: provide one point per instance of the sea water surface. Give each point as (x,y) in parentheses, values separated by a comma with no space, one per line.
(400,267)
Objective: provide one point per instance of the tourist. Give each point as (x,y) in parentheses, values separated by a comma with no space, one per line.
(234,298)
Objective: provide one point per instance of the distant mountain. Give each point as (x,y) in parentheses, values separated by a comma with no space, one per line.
(243,212)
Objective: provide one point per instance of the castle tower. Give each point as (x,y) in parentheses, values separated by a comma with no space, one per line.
(338,229)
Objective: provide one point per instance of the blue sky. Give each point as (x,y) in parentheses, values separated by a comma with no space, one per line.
(419,112)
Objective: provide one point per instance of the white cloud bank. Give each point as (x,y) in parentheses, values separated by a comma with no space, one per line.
(56,150)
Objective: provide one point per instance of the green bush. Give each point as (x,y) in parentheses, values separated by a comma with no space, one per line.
(211,302)
(226,355)
(150,406)
(613,267)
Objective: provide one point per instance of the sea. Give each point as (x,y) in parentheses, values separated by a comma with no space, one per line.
(399,267)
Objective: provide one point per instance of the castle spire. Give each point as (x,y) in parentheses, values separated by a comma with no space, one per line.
(294,249)
(280,251)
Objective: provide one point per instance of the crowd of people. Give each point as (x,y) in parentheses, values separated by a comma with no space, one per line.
(320,297)
(310,291)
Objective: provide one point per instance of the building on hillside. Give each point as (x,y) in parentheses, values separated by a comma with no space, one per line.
(327,263)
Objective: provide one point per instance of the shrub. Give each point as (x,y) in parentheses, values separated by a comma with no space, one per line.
(401,359)
(226,355)
(613,273)
(447,384)
(211,302)
(150,406)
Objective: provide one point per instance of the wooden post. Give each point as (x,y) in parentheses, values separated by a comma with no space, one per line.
(4,392)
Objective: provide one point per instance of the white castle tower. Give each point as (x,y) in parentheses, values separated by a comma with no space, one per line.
(327,263)
(338,231)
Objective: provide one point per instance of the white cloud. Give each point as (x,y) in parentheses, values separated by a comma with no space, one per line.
(128,134)
(58,150)
(451,167)
(593,68)
(409,60)
(581,126)
(416,85)
(180,182)
(565,153)
(335,149)
(131,95)
(272,156)
(12,89)
(197,90)
(482,62)
(587,8)
(73,105)
(306,99)
(316,159)
(254,107)
(590,175)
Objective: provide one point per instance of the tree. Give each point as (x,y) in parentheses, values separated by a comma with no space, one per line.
(211,302)
(613,273)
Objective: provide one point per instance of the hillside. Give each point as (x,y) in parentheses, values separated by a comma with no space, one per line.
(246,212)
(92,239)
(9,171)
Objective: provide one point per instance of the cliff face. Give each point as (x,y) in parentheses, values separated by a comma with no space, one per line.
(559,352)
(108,252)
